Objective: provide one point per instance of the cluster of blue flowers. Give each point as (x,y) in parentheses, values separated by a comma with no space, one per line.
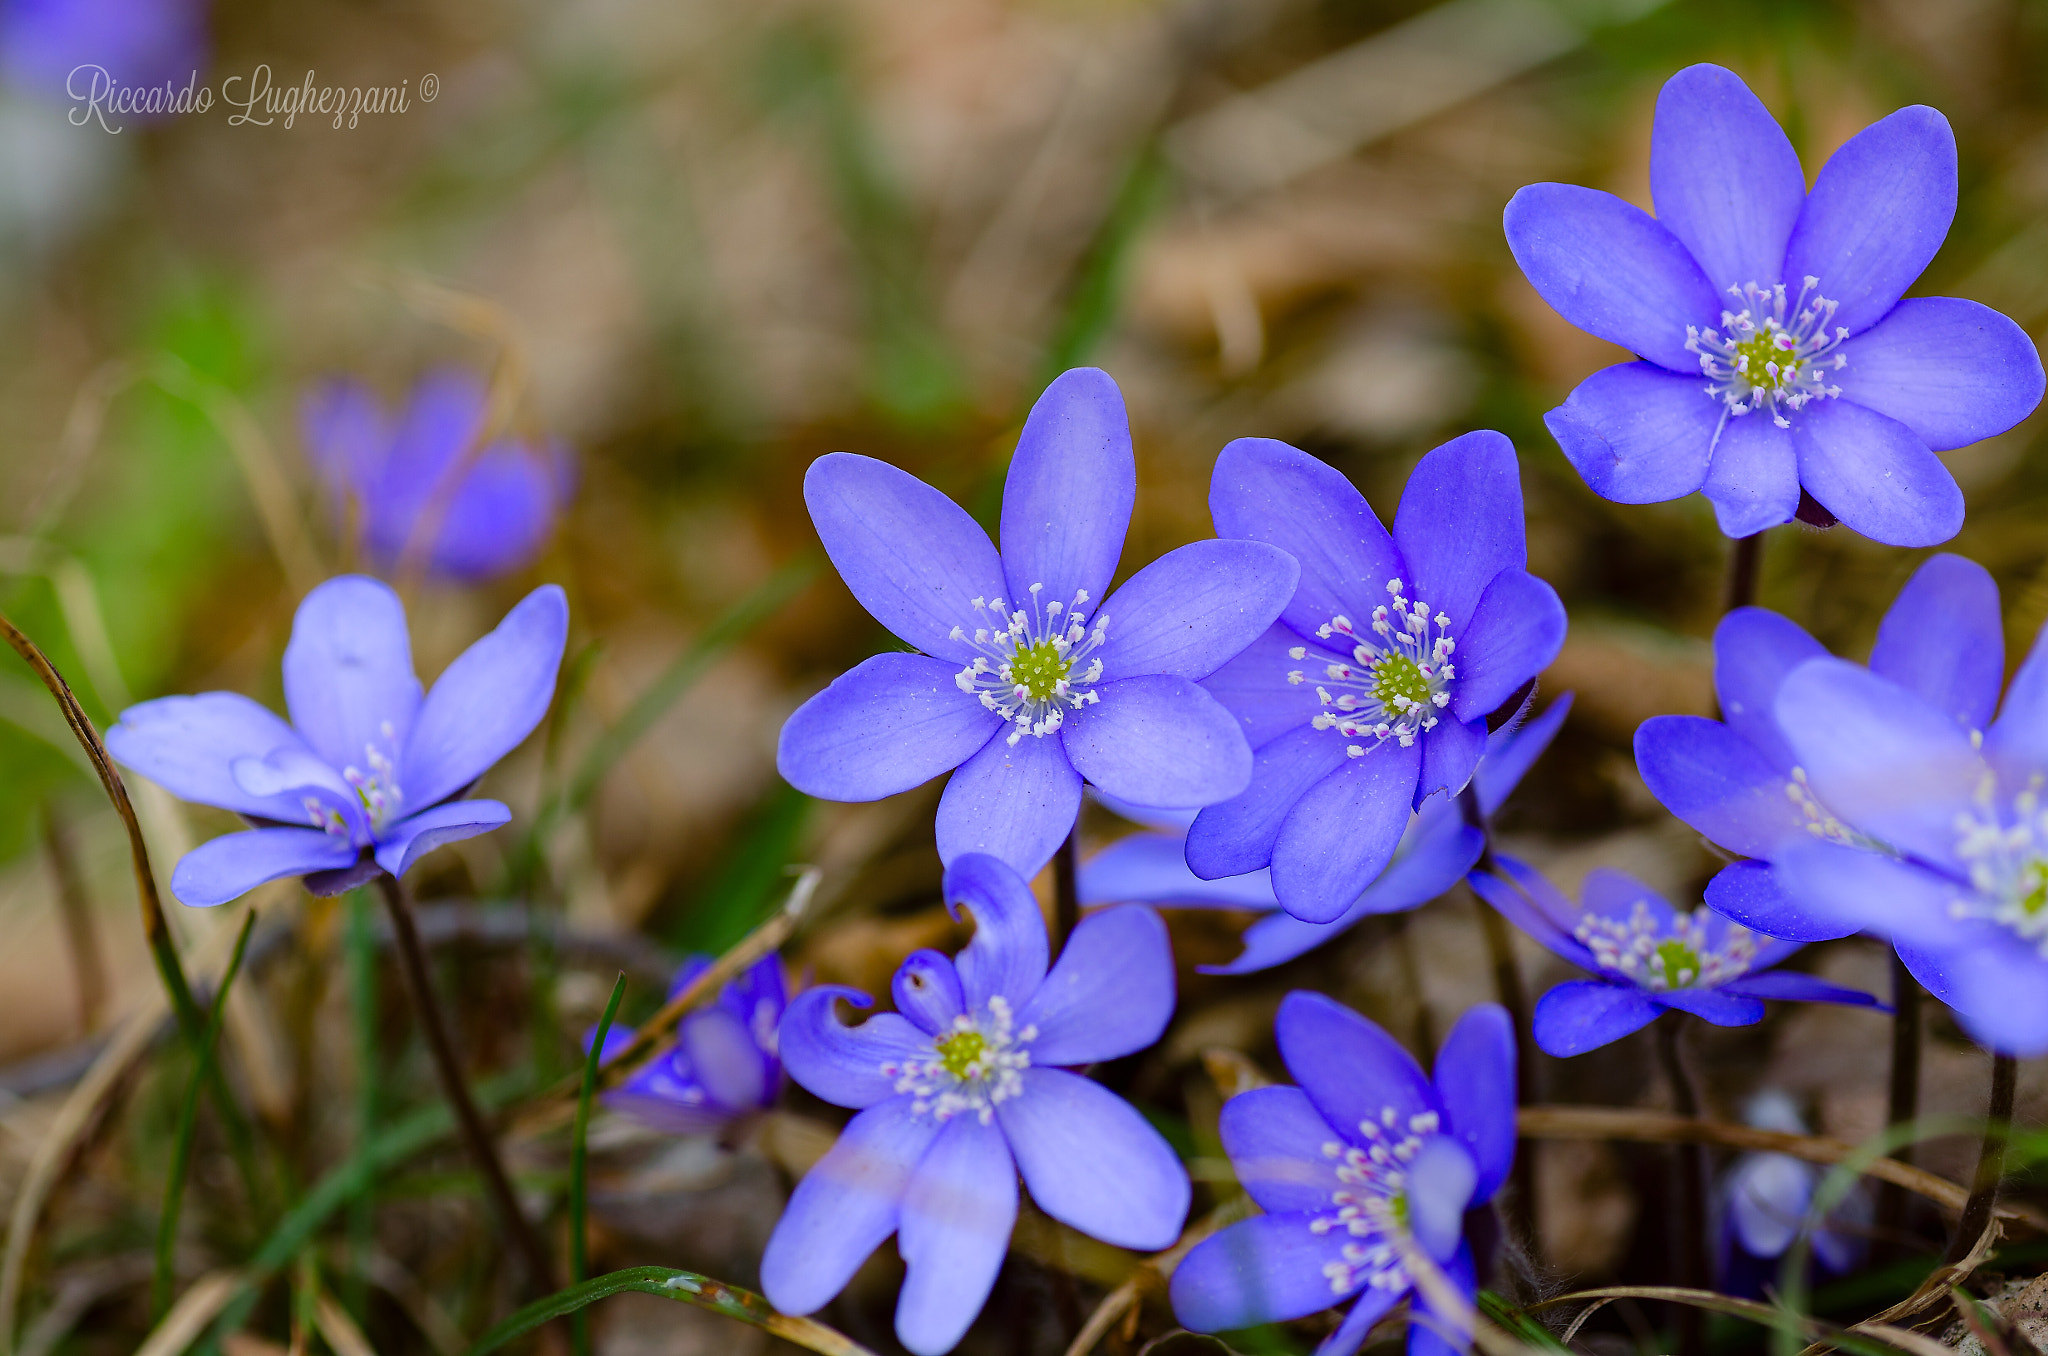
(1313,717)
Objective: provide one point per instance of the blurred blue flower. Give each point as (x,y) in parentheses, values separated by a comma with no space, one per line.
(959,1091)
(1363,1166)
(1352,704)
(135,42)
(1953,802)
(1774,351)
(1761,1205)
(1434,854)
(723,1065)
(368,762)
(483,511)
(1053,690)
(1740,782)
(1648,957)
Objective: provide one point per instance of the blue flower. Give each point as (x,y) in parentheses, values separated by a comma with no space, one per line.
(1649,958)
(1025,686)
(141,43)
(959,1090)
(1762,1204)
(368,769)
(1372,692)
(1740,782)
(482,511)
(1775,352)
(1434,854)
(1364,1165)
(723,1064)
(1952,862)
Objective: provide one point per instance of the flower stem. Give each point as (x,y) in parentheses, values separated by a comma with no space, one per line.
(1689,1220)
(1990,1159)
(1904,1103)
(1745,555)
(1513,993)
(1066,867)
(475,1135)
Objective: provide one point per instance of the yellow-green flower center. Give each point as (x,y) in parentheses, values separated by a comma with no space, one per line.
(1039,669)
(1755,354)
(2034,886)
(962,1053)
(1398,683)
(1681,963)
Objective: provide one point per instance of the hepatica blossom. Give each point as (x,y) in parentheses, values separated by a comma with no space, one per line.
(1774,351)
(1362,1169)
(1372,692)
(1435,852)
(477,512)
(43,43)
(1738,780)
(1648,958)
(1762,1204)
(960,1090)
(367,774)
(1029,679)
(723,1065)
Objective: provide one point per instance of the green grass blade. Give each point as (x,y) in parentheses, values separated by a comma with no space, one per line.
(162,1277)
(684,1286)
(579,1165)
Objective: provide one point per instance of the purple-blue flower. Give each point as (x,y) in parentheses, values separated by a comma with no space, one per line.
(1762,1203)
(1774,351)
(1738,780)
(1434,854)
(479,512)
(1948,855)
(1026,685)
(961,1089)
(1647,956)
(723,1064)
(52,47)
(1363,1166)
(1372,692)
(367,774)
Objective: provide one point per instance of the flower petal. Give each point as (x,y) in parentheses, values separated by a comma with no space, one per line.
(1275,1138)
(1013,801)
(1768,1195)
(1350,1335)
(232,865)
(1754,649)
(1880,757)
(1253,687)
(1523,897)
(1876,475)
(1237,836)
(1716,781)
(489,700)
(1724,177)
(843,1064)
(1450,753)
(1475,1081)
(1267,1269)
(1749,893)
(954,1233)
(1753,475)
(1109,995)
(1152,868)
(1879,210)
(1009,950)
(891,722)
(1516,630)
(1718,1006)
(2020,735)
(2000,995)
(911,556)
(1793,986)
(1443,1331)
(1512,751)
(1846,889)
(348,672)
(1612,270)
(1067,500)
(1943,638)
(1352,1070)
(345,433)
(1342,832)
(502,511)
(1159,740)
(188,746)
(1952,371)
(1092,1162)
(405,842)
(1441,1182)
(1264,490)
(1585,1014)
(1195,609)
(926,988)
(1460,523)
(844,1207)
(1637,433)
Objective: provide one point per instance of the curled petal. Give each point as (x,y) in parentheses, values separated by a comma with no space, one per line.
(845,1064)
(1009,950)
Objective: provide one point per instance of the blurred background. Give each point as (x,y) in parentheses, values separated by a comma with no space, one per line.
(680,249)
